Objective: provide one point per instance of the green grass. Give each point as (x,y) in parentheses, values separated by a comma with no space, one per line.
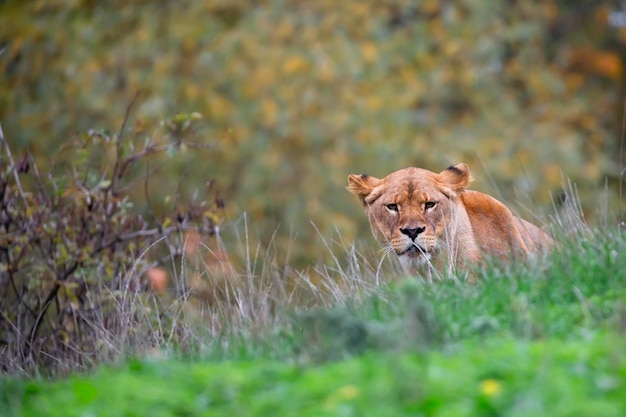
(541,340)
(493,377)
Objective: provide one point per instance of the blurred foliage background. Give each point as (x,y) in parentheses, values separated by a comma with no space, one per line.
(297,94)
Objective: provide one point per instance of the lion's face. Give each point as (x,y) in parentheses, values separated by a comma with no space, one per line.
(410,210)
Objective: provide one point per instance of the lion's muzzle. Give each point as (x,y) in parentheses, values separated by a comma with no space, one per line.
(413,249)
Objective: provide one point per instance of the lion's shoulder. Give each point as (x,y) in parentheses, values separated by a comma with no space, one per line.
(492,221)
(482,207)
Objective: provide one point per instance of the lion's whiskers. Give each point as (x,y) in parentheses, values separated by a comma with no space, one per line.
(387,249)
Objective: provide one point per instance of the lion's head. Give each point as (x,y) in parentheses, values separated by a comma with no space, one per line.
(410,209)
(430,218)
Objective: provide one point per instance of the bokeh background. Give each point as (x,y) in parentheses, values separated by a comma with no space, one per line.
(297,94)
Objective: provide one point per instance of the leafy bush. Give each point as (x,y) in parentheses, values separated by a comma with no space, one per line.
(76,258)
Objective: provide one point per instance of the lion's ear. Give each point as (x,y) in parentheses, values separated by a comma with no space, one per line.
(457,177)
(362,185)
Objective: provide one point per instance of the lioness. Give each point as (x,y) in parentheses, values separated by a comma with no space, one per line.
(432,219)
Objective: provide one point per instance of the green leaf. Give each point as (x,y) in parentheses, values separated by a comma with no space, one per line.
(104,184)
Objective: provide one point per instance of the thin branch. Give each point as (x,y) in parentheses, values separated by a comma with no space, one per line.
(149,172)
(120,135)
(150,149)
(147,193)
(42,190)
(49,299)
(15,174)
(157,231)
(36,325)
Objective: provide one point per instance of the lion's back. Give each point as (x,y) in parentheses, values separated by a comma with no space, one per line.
(497,231)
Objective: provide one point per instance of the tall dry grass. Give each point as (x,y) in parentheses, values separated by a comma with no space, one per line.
(236,293)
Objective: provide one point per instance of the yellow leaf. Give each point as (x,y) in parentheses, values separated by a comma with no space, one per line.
(212,216)
(294,64)
(369,52)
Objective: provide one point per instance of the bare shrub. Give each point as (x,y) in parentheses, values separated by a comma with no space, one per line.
(76,259)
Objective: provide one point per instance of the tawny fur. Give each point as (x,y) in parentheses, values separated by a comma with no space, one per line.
(431,219)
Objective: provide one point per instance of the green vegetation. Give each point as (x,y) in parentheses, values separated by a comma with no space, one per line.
(494,377)
(545,340)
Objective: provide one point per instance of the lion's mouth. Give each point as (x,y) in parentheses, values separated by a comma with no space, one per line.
(414,250)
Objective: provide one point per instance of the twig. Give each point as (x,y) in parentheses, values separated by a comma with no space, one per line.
(150,149)
(27,351)
(42,190)
(46,304)
(15,174)
(17,331)
(159,231)
(131,184)
(120,135)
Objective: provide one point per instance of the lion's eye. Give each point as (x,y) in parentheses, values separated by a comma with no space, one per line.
(429,204)
(392,207)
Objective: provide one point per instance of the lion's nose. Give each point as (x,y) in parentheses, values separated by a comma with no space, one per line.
(412,233)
